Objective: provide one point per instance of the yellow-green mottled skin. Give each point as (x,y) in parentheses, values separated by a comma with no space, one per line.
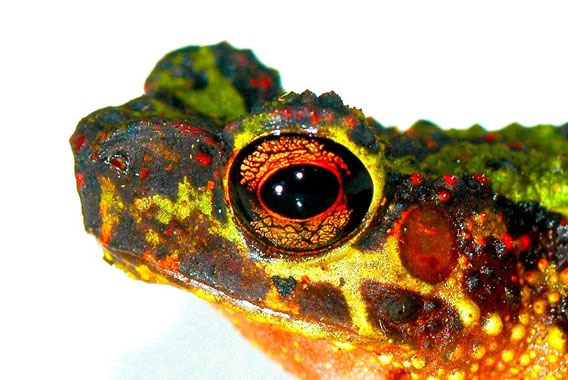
(485,211)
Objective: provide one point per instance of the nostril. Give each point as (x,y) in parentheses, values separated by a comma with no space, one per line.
(119,161)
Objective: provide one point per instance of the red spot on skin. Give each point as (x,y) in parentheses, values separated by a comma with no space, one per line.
(265,82)
(80,179)
(79,142)
(507,240)
(416,179)
(444,195)
(168,263)
(450,179)
(210,185)
(144,173)
(350,121)
(491,137)
(203,158)
(525,241)
(168,232)
(215,174)
(286,113)
(315,117)
(482,179)
(169,168)
(427,243)
(514,278)
(563,222)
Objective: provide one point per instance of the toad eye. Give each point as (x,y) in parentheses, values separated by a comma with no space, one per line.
(299,193)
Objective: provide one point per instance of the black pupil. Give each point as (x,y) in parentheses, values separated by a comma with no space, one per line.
(300,191)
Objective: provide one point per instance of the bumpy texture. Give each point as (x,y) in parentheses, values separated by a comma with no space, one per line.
(424,254)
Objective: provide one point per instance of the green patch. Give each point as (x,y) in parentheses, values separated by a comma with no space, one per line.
(218,99)
(540,176)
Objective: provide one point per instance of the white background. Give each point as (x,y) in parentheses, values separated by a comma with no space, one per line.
(65,314)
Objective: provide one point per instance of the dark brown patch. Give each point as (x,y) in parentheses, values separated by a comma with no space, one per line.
(284,286)
(323,302)
(407,317)
(227,271)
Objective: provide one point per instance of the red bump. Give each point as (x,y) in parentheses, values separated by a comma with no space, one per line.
(265,82)
(80,179)
(79,142)
(427,244)
(416,179)
(444,195)
(203,158)
(350,121)
(491,137)
(450,179)
(144,173)
(481,178)
(507,240)
(315,118)
(525,241)
(168,232)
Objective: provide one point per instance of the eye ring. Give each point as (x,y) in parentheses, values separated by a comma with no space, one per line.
(333,196)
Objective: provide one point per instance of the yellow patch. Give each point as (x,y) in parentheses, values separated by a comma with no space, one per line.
(109,207)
